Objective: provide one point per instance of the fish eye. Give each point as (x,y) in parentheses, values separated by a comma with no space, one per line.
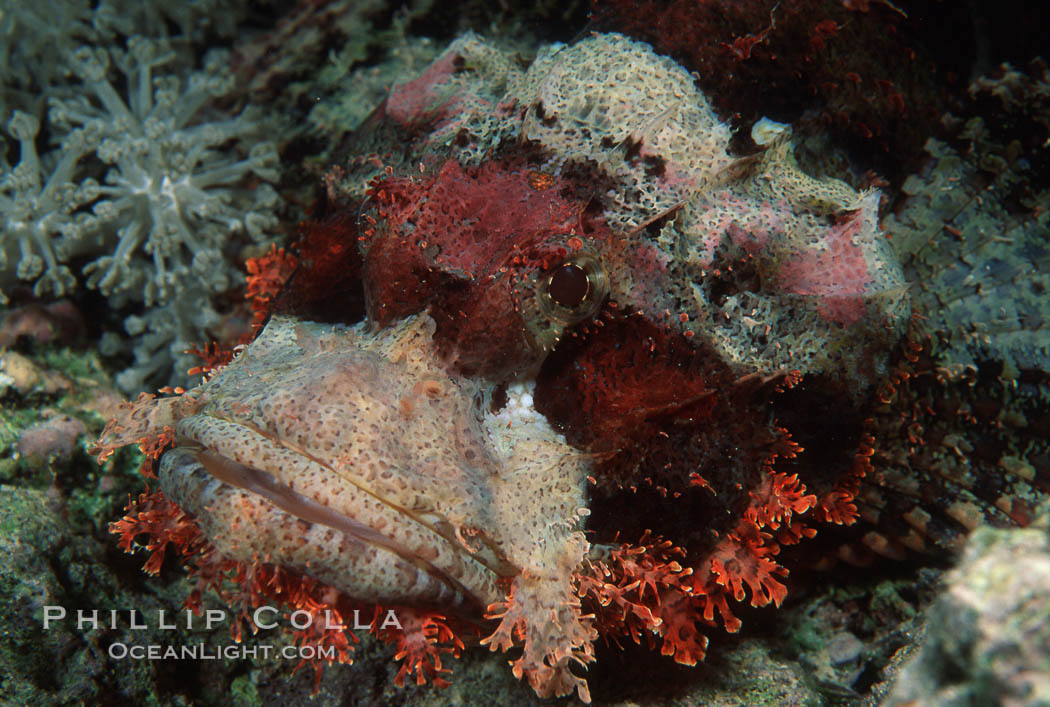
(568,293)
(568,285)
(573,290)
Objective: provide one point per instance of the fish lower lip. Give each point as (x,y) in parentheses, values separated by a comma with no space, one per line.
(472,588)
(263,483)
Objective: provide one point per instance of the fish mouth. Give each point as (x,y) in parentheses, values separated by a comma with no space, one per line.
(264,484)
(434,566)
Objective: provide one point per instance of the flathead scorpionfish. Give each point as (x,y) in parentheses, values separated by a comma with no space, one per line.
(572,238)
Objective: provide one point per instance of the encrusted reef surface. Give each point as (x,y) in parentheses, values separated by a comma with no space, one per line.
(523,335)
(984,188)
(987,638)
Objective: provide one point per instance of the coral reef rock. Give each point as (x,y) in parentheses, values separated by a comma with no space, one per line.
(988,636)
(972,231)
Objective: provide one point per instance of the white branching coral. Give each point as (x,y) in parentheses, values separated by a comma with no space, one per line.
(162,335)
(33,37)
(193,20)
(176,189)
(152,185)
(39,203)
(36,36)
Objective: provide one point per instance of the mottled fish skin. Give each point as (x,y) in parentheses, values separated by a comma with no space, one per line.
(357,460)
(576,235)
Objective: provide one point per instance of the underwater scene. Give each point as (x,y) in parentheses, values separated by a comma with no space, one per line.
(653,352)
